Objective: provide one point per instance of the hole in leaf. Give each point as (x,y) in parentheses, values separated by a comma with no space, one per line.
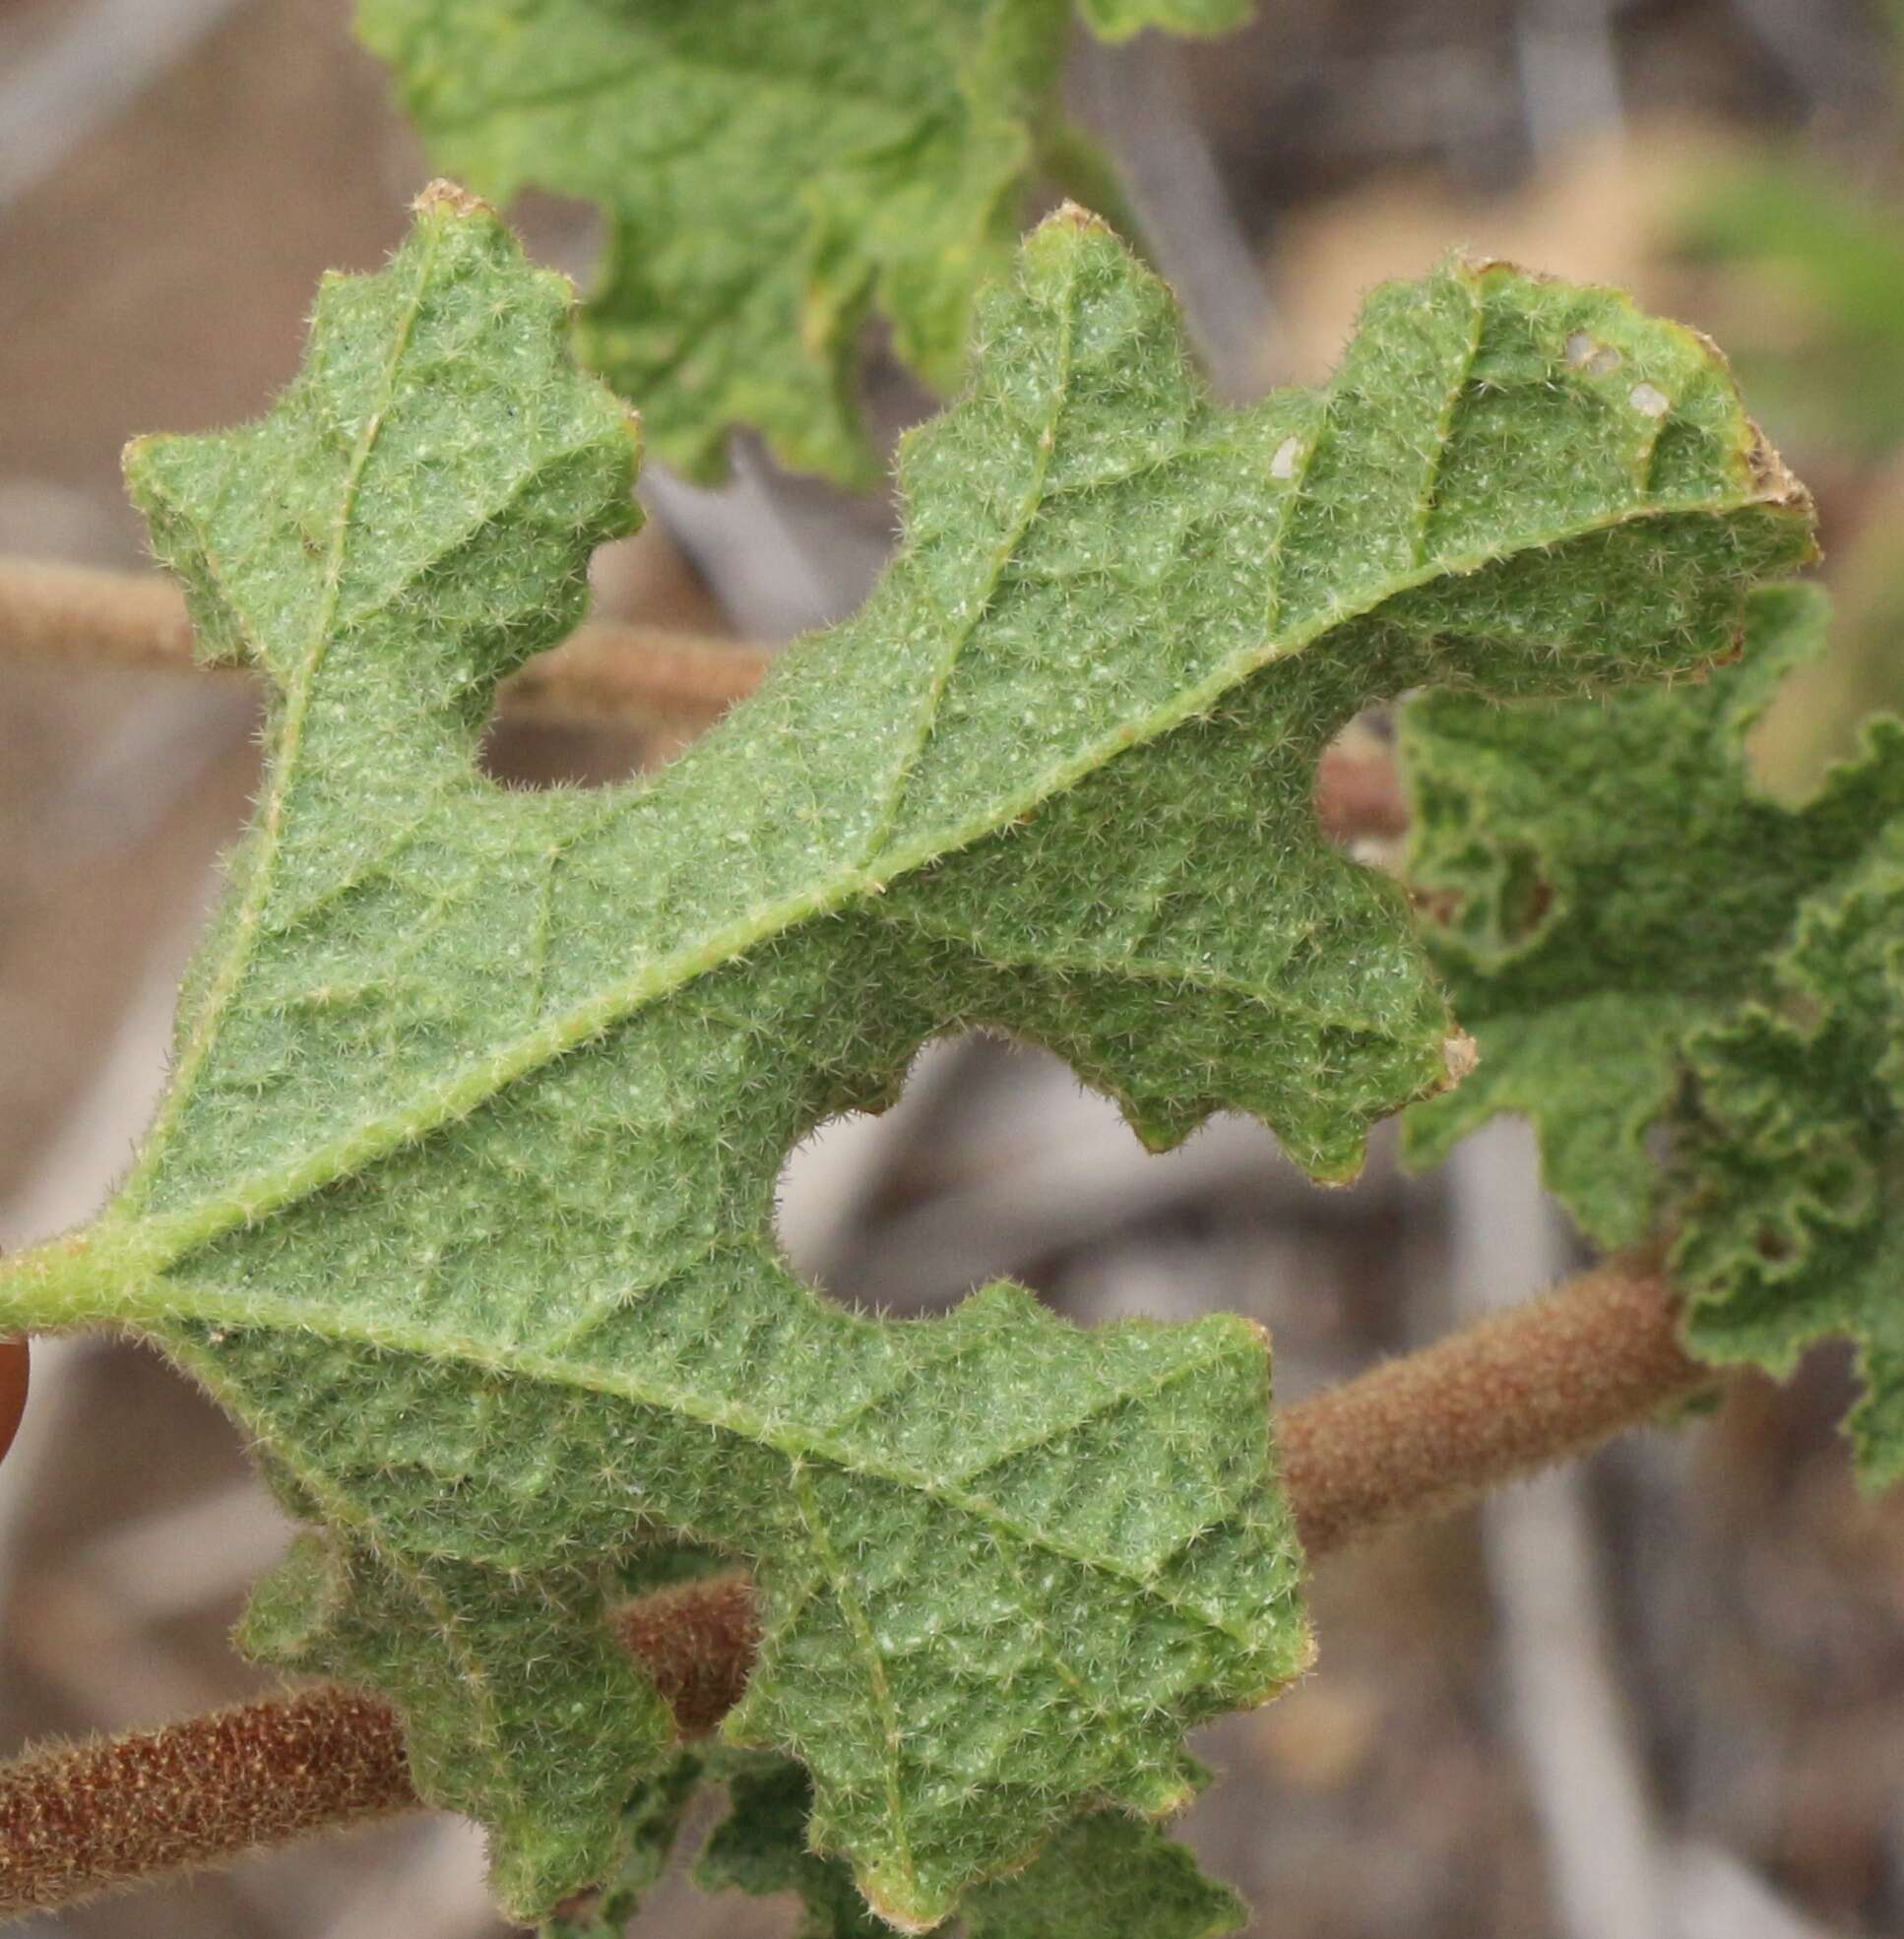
(538,754)
(997,1163)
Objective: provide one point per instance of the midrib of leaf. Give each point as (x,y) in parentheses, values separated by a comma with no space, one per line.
(1445,426)
(261,873)
(122,1251)
(1033,501)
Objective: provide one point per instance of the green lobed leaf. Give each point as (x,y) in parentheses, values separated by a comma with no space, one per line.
(1794,1223)
(1103,1876)
(1647,946)
(772,177)
(462,1196)
(1590,862)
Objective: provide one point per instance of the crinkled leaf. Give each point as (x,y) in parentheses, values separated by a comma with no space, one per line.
(1105,1876)
(462,1197)
(1607,875)
(1648,947)
(772,177)
(1795,1141)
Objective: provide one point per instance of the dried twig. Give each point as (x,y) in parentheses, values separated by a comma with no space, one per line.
(1410,1440)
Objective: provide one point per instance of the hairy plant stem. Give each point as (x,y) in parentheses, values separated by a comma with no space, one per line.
(1426,1434)
(1410,1440)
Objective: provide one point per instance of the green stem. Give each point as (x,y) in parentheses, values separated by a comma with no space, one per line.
(82,1280)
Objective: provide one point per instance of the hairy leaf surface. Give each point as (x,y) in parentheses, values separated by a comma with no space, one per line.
(462,1196)
(772,177)
(1645,943)
(1104,1874)
(1795,1215)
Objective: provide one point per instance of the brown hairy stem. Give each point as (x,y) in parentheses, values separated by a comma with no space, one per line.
(638,675)
(1425,1435)
(1410,1440)
(77,1821)
(84,1819)
(697,1642)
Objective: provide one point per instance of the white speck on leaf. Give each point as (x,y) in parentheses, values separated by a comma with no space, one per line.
(1585,352)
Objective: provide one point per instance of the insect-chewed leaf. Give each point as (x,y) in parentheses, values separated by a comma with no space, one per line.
(462,1196)
(1641,940)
